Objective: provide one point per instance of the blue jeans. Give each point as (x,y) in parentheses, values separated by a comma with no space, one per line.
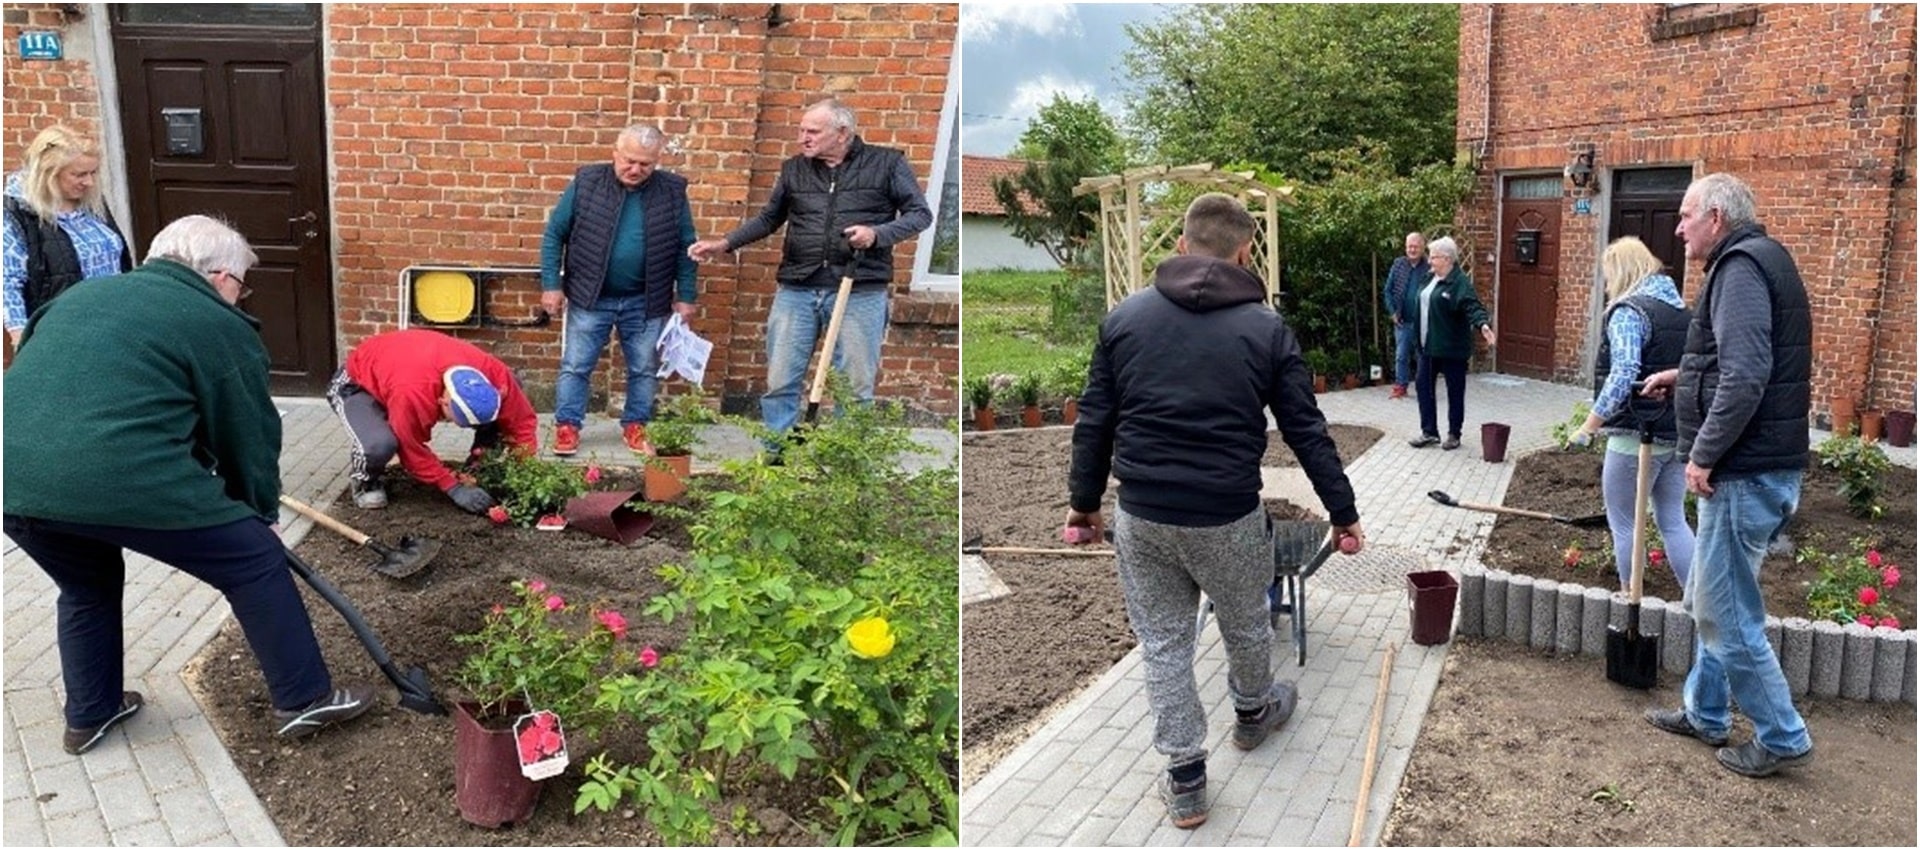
(1731,654)
(587,331)
(243,559)
(799,318)
(1406,354)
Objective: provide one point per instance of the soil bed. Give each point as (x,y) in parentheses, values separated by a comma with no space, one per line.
(387,778)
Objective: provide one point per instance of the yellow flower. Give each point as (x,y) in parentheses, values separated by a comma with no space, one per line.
(870,638)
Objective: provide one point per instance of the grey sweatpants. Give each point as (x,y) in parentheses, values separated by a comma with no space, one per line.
(373,442)
(1163,569)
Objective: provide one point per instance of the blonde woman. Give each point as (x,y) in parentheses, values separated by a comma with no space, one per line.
(58,230)
(1646,325)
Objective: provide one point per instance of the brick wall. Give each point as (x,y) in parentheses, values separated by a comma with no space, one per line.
(41,93)
(457,127)
(1811,105)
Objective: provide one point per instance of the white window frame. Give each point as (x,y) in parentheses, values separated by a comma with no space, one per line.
(925,280)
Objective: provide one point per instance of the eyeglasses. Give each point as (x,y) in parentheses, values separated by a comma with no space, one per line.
(245,290)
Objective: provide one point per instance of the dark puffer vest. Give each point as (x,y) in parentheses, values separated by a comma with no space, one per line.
(1776,437)
(52,263)
(1666,342)
(597,199)
(823,202)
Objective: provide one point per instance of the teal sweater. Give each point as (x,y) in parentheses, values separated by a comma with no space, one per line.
(1454,315)
(141,400)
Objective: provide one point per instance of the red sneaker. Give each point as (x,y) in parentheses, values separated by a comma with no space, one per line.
(566,440)
(636,438)
(1399,391)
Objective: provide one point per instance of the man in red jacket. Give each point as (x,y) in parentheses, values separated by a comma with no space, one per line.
(396,386)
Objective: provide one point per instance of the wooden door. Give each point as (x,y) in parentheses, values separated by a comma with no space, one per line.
(1646,204)
(1529,283)
(238,87)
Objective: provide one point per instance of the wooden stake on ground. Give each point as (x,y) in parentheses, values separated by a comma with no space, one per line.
(1373,745)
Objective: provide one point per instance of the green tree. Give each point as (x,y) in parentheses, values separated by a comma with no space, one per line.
(1068,140)
(1274,84)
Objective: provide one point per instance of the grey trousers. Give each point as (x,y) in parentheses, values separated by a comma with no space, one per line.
(373,442)
(1163,569)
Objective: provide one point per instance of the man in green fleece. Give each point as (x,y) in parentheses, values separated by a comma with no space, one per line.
(138,418)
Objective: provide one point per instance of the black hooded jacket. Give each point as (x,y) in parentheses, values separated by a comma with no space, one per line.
(1177,398)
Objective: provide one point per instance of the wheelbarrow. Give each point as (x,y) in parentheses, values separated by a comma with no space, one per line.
(1300,547)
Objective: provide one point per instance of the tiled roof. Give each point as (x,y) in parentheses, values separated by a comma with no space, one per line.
(977,174)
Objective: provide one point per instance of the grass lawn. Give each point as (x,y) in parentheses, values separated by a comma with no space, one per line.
(1003,323)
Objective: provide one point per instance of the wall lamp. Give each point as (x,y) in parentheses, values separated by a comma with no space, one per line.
(1579,172)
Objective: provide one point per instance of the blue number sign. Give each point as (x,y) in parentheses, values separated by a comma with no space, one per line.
(40,45)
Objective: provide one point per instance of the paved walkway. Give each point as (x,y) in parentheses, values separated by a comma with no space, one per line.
(1087,776)
(165,778)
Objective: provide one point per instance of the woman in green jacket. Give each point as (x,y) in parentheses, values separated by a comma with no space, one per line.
(1449,314)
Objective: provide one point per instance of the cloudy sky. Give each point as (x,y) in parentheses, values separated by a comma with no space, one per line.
(1014,56)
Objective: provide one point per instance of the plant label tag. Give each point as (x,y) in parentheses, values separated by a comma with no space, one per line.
(542,744)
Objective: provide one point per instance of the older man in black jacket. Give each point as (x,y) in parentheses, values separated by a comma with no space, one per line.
(1176,408)
(838,196)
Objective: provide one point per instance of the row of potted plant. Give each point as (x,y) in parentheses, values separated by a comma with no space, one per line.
(1062,381)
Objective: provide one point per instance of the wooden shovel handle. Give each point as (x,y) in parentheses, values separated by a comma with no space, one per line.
(833,333)
(1373,746)
(333,525)
(1026,550)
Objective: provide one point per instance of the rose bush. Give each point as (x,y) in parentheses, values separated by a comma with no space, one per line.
(1851,585)
(540,649)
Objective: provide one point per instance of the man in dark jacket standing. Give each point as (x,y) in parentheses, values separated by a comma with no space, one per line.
(1404,279)
(1176,404)
(614,258)
(839,196)
(167,443)
(1740,404)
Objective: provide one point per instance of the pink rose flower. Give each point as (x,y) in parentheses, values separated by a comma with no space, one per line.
(1890,622)
(1890,576)
(1873,558)
(649,658)
(536,586)
(499,515)
(1865,620)
(593,475)
(1656,557)
(555,603)
(614,623)
(499,609)
(1869,596)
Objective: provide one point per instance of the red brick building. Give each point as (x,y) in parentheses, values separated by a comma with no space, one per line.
(1586,123)
(351,142)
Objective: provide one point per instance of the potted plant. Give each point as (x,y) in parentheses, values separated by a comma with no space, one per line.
(980,396)
(673,433)
(1348,367)
(1069,380)
(1027,389)
(1320,363)
(531,491)
(535,661)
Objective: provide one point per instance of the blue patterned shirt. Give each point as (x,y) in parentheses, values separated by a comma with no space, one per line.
(1626,335)
(96,241)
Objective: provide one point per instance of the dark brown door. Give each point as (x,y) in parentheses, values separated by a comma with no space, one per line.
(1529,275)
(223,115)
(1646,204)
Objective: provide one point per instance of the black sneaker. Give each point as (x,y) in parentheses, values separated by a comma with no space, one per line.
(1452,442)
(1186,801)
(1675,720)
(1250,732)
(1751,759)
(342,705)
(78,741)
(1424,440)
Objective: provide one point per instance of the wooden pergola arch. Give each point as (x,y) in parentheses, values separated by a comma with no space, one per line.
(1138,228)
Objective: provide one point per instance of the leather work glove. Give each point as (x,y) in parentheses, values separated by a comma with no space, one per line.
(471,499)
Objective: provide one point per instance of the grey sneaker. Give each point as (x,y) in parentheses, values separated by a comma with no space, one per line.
(1751,759)
(1252,731)
(77,741)
(1424,440)
(342,705)
(1186,801)
(1675,720)
(1452,442)
(371,496)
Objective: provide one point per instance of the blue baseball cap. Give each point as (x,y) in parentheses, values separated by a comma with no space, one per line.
(475,401)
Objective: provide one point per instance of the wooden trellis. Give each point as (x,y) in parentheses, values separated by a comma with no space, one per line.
(1138,225)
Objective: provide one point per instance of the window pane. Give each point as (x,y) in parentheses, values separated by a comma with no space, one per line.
(1653,181)
(1528,188)
(221,14)
(946,227)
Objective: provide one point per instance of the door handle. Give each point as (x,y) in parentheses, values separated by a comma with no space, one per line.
(309,219)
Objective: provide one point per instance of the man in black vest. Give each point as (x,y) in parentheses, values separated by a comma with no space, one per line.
(1740,405)
(838,196)
(614,257)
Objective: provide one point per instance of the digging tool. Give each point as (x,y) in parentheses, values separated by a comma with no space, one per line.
(1590,521)
(415,694)
(833,336)
(409,556)
(1633,659)
(1373,747)
(977,549)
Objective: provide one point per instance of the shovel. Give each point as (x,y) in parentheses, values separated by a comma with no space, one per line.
(1589,521)
(1633,659)
(833,336)
(973,547)
(415,694)
(409,556)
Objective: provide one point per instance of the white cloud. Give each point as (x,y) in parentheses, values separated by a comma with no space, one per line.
(988,20)
(1032,94)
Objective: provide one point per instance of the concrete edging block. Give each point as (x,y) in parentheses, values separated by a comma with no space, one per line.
(1796,654)
(1593,621)
(1495,604)
(1566,621)
(1520,609)
(1856,666)
(1473,589)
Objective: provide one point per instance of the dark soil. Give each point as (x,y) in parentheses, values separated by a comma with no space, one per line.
(387,778)
(1014,493)
(1568,484)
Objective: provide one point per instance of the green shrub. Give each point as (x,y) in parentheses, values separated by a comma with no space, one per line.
(1027,389)
(1860,464)
(980,392)
(1851,587)
(526,485)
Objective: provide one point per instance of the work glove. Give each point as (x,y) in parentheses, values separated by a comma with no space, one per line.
(1580,437)
(471,499)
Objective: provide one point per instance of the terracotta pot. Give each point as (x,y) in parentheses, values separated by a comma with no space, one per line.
(1030,416)
(983,419)
(1871,422)
(1900,428)
(1840,412)
(665,485)
(488,787)
(1350,382)
(1319,383)
(1070,411)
